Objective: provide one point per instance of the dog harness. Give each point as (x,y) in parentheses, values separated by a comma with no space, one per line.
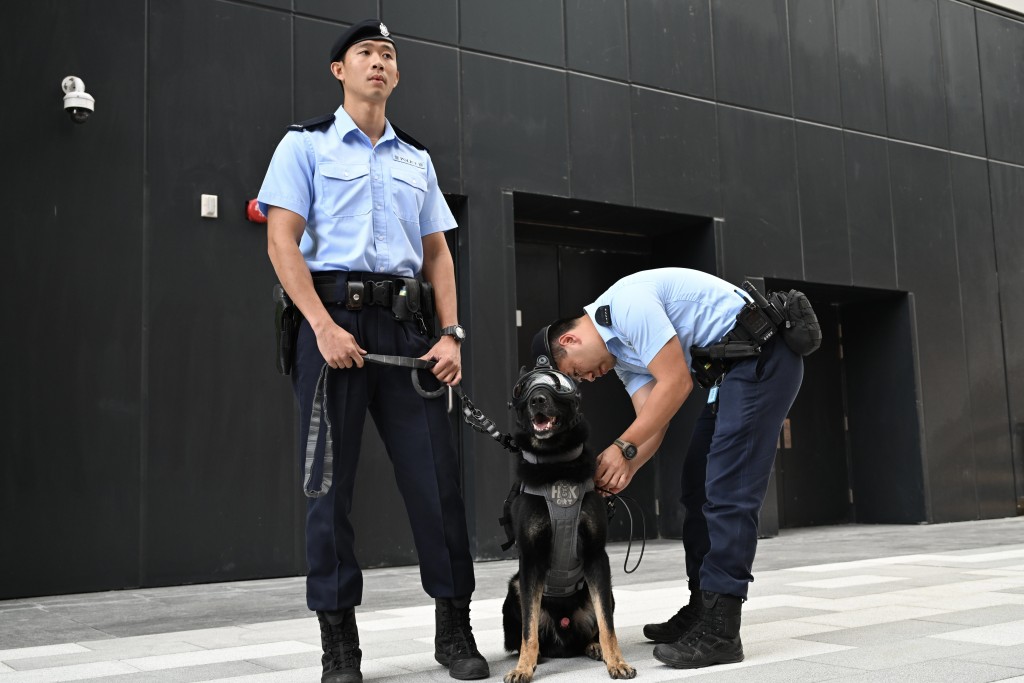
(565,502)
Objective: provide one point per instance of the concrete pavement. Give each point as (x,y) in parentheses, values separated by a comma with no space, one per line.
(851,603)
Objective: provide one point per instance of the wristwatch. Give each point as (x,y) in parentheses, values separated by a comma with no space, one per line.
(457,331)
(628,449)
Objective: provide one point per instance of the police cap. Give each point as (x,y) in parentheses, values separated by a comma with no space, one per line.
(369,29)
(540,347)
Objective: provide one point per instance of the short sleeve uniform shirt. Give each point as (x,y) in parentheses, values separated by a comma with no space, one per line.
(650,307)
(366,207)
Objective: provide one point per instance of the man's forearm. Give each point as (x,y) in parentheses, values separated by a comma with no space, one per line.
(439,271)
(294,276)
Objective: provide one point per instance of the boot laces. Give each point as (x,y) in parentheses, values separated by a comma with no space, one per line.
(455,623)
(343,645)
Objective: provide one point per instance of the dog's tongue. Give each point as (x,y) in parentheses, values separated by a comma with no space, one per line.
(543,423)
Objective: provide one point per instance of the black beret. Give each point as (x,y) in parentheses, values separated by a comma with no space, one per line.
(541,347)
(369,29)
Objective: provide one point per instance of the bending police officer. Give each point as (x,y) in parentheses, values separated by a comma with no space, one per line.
(356,224)
(644,328)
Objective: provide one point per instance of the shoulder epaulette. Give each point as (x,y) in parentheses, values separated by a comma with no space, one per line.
(405,137)
(312,124)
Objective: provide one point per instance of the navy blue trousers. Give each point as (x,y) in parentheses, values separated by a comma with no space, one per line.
(726,471)
(418,438)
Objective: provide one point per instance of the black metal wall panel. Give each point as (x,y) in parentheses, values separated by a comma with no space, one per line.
(912,66)
(350,11)
(822,176)
(757,75)
(531,30)
(675,155)
(670,45)
(520,142)
(926,261)
(69,470)
(595,37)
(1007,187)
(426,105)
(860,65)
(317,92)
(612,102)
(964,113)
(759,195)
(869,207)
(435,21)
(211,349)
(814,60)
(487,301)
(1001,52)
(599,140)
(986,368)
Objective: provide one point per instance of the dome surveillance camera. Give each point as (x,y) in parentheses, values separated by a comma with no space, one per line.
(77,103)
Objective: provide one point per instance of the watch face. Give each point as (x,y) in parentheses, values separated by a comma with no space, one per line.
(460,332)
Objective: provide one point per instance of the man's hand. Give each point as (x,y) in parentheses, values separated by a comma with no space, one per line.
(614,472)
(338,347)
(448,354)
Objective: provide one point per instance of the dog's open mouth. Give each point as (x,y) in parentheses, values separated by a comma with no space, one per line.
(544,423)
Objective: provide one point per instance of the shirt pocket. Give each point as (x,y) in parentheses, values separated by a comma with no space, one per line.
(347,189)
(408,192)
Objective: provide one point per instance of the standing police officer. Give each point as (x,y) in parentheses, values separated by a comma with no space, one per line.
(354,215)
(643,327)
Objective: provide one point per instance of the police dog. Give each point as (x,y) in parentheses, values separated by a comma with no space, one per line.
(551,611)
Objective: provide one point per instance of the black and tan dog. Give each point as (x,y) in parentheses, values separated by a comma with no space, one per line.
(560,601)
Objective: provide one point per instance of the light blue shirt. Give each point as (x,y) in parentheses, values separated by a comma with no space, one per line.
(650,307)
(367,208)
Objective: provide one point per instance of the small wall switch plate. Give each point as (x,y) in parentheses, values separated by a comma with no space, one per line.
(208,206)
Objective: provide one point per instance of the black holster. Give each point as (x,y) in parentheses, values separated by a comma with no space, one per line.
(287,318)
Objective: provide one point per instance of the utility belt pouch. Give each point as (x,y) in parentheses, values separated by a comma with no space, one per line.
(286,324)
(756,323)
(405,303)
(354,295)
(800,330)
(706,370)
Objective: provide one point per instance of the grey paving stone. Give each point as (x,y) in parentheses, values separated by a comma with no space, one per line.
(881,634)
(898,651)
(937,670)
(997,614)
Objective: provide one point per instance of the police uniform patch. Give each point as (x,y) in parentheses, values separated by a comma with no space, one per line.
(411,162)
(565,493)
(384,30)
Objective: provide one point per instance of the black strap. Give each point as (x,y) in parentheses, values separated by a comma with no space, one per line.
(319,417)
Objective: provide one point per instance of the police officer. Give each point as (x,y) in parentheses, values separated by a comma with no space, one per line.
(643,327)
(354,214)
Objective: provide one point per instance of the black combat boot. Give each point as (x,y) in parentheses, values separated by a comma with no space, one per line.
(340,641)
(454,645)
(714,639)
(676,627)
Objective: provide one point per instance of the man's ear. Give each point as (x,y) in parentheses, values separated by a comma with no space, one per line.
(338,71)
(569,338)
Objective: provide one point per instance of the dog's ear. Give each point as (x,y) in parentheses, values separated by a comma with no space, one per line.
(522,370)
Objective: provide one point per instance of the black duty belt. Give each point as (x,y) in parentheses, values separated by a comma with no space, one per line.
(377,289)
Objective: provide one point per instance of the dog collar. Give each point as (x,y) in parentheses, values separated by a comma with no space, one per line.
(535,459)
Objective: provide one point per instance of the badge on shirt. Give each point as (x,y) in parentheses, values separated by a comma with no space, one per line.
(412,162)
(604,316)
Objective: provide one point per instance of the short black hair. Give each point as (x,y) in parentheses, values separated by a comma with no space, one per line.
(555,331)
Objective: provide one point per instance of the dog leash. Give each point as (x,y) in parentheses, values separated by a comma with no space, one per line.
(472,415)
(643,527)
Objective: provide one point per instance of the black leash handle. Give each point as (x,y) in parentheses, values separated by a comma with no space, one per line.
(643,527)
